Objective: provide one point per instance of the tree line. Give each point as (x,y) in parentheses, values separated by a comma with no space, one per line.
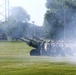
(59,22)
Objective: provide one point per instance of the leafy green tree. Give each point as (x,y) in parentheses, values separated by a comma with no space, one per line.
(59,18)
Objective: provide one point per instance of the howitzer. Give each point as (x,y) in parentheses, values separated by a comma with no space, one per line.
(36,43)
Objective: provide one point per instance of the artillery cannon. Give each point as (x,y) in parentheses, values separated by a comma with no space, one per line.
(45,48)
(37,44)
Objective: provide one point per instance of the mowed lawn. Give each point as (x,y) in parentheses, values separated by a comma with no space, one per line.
(15,60)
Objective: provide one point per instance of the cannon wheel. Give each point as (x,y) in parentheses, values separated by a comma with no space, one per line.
(34,52)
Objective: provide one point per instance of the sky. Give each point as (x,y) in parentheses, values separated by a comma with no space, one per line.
(35,8)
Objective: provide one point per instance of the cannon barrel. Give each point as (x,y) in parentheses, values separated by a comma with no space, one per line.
(23,40)
(38,39)
(30,42)
(30,39)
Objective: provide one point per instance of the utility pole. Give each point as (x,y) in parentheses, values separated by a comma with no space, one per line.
(33,28)
(4,10)
(64,25)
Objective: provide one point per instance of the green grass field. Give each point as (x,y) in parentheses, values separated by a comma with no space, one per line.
(15,60)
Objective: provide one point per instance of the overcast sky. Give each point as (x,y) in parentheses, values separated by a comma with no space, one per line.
(35,8)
